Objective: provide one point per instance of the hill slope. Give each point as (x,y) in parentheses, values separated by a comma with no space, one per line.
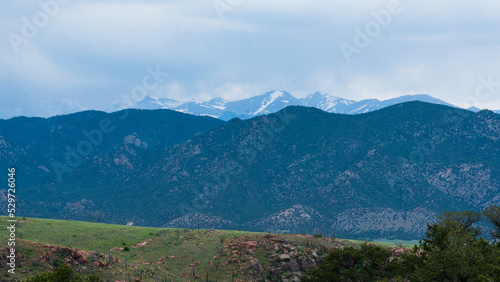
(123,253)
(384,174)
(47,150)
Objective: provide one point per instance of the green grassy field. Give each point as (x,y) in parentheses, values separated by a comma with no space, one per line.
(392,243)
(82,235)
(154,253)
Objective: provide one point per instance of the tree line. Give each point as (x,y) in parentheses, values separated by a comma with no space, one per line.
(455,248)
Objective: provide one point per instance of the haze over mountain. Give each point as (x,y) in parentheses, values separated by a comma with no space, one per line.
(382,174)
(31,108)
(220,108)
(272,102)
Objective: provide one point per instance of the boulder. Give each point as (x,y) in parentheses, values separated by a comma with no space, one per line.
(284,257)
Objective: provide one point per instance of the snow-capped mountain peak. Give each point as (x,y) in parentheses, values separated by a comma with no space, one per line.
(269,102)
(326,102)
(270,98)
(149,103)
(217,103)
(273,101)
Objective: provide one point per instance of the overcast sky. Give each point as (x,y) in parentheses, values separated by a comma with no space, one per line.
(92,52)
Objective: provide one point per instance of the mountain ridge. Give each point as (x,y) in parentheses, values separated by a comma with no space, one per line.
(273,101)
(219,107)
(381,174)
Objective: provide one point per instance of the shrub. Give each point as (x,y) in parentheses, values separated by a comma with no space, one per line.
(453,250)
(63,273)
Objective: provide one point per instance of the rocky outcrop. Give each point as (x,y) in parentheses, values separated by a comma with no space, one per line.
(388,221)
(297,217)
(199,220)
(288,261)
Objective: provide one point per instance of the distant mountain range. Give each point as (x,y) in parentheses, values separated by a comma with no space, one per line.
(220,108)
(30,108)
(382,174)
(272,102)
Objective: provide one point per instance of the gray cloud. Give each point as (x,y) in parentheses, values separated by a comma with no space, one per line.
(95,51)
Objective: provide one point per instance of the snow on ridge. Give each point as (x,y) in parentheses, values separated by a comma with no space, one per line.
(266,103)
(275,95)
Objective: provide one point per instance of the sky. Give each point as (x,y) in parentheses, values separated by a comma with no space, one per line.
(91,53)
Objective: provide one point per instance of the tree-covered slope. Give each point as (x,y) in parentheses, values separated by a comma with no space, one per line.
(381,174)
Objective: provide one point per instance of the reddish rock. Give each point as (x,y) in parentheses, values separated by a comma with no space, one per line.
(100,264)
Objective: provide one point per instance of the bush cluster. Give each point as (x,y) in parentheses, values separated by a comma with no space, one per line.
(455,248)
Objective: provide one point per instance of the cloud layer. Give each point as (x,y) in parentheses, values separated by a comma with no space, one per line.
(94,51)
